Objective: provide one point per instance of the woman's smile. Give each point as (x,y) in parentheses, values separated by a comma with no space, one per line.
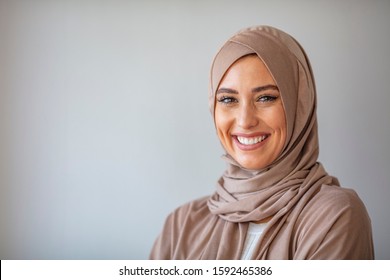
(250,142)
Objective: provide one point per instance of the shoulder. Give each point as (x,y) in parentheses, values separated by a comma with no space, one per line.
(335,224)
(196,207)
(334,201)
(334,204)
(194,204)
(182,225)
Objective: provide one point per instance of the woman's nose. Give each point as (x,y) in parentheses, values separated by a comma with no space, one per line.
(247,117)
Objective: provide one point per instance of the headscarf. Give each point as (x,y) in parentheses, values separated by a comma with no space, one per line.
(253,195)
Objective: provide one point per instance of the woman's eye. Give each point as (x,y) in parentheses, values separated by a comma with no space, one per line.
(267,98)
(227,100)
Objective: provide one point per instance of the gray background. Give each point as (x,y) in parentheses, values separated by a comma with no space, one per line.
(104,121)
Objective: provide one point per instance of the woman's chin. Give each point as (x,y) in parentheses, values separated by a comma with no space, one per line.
(251,163)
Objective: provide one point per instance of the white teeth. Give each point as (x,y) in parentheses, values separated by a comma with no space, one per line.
(250,141)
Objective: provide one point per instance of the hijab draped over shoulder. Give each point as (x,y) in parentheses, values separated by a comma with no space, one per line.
(307,210)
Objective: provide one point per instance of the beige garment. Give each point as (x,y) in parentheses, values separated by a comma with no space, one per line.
(312,217)
(333,225)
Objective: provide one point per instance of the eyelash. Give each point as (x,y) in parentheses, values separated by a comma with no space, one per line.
(269,98)
(226,100)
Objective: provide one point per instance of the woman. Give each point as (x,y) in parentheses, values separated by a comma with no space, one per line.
(274,201)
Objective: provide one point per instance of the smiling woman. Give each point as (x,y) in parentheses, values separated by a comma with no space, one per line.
(275,200)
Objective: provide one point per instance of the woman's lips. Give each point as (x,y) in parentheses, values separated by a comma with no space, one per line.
(248,142)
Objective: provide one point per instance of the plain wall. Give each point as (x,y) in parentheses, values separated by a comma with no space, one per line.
(104,121)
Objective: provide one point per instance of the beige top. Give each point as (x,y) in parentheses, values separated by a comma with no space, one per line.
(333,225)
(310,216)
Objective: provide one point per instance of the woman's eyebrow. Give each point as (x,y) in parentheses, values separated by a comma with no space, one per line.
(262,88)
(227,90)
(254,90)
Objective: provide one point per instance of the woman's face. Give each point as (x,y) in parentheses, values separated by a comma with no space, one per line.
(249,114)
